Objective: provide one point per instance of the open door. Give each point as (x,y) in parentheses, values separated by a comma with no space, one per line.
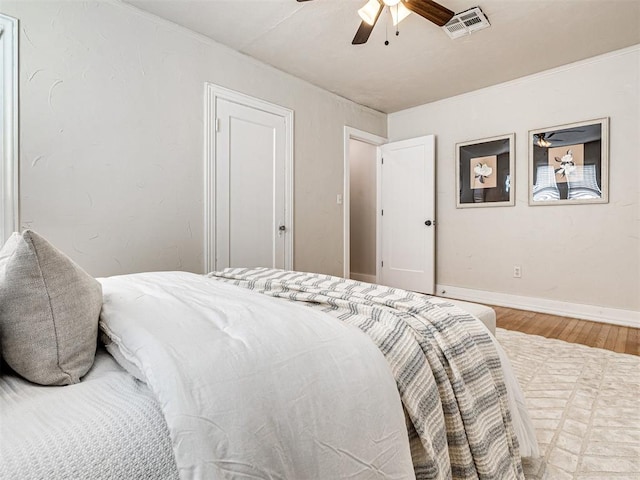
(407,215)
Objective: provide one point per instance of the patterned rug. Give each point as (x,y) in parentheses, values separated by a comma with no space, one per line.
(585,406)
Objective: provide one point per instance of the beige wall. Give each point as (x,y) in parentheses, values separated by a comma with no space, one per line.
(584,254)
(362,207)
(112,103)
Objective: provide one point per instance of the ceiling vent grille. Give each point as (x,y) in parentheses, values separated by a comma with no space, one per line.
(467,22)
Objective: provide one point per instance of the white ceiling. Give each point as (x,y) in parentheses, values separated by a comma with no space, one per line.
(312,40)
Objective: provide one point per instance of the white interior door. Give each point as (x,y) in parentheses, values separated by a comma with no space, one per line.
(250,182)
(407,223)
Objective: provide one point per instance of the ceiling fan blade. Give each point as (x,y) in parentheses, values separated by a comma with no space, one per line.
(362,35)
(304,0)
(364,30)
(432,11)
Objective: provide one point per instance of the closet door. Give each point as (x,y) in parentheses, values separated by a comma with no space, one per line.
(250,187)
(407,216)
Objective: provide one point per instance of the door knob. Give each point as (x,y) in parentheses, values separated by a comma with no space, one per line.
(428,223)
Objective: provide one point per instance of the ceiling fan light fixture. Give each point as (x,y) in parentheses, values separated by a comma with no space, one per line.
(391,3)
(399,13)
(369,12)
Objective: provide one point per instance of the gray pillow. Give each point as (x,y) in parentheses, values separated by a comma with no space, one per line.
(49,310)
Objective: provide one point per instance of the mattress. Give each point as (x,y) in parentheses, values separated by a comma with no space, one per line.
(107,426)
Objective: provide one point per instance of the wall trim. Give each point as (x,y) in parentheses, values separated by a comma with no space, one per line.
(212,93)
(351,133)
(615,316)
(10,140)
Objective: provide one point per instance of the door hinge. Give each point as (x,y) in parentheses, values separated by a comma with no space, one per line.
(217,124)
(382,264)
(382,158)
(382,212)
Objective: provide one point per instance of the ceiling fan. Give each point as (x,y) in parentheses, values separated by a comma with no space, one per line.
(432,11)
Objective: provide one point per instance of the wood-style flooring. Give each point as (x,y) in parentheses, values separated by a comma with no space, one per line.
(594,334)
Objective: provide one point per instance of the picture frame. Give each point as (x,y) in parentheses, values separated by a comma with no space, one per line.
(569,164)
(485,172)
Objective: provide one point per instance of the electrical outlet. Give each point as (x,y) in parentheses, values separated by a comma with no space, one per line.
(517,271)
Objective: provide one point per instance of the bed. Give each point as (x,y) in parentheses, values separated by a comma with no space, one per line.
(255,373)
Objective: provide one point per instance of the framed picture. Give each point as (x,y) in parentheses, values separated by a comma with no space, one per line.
(569,164)
(485,172)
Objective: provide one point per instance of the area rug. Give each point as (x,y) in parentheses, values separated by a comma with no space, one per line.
(585,407)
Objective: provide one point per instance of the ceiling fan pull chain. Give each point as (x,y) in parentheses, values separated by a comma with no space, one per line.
(386,33)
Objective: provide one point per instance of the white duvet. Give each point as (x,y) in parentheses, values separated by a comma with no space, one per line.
(253,387)
(257,387)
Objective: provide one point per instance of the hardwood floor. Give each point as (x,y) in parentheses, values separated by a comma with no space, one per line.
(601,335)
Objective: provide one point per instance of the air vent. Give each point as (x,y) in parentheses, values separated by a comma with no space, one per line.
(467,22)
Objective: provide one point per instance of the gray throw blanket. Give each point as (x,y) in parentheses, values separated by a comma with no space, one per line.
(446,368)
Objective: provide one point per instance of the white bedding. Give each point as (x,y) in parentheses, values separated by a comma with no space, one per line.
(109,426)
(253,387)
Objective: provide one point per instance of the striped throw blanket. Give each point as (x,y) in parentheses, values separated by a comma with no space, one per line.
(443,360)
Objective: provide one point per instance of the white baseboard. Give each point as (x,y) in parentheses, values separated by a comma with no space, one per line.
(627,318)
(363,277)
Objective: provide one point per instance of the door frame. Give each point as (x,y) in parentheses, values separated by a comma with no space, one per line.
(351,133)
(10,139)
(212,93)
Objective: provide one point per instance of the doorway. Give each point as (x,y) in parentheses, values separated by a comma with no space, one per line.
(249,182)
(404,211)
(362,210)
(361,199)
